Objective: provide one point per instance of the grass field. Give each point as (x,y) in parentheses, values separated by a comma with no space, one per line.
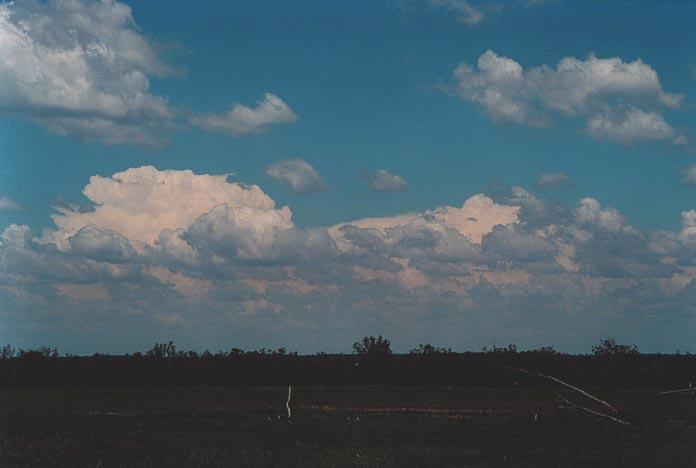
(338,426)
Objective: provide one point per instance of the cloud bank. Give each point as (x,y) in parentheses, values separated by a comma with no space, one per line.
(168,253)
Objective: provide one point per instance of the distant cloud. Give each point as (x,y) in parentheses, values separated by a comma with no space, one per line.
(383,181)
(297,174)
(240,119)
(690,175)
(622,101)
(473,12)
(535,3)
(6,204)
(467,13)
(555,179)
(81,68)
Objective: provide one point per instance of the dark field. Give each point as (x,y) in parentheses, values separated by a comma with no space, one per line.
(338,426)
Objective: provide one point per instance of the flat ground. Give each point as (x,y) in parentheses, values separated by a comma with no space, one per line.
(338,426)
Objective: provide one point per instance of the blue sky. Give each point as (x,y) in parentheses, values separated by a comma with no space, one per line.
(365,86)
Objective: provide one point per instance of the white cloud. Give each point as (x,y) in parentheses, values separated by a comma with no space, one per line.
(632,126)
(240,119)
(172,216)
(621,100)
(590,212)
(473,220)
(688,230)
(7,204)
(297,174)
(81,68)
(140,203)
(383,181)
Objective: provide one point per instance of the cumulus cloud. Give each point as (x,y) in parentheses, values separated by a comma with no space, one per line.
(534,210)
(297,174)
(622,101)
(590,212)
(512,243)
(688,230)
(475,218)
(240,119)
(140,203)
(204,254)
(254,235)
(7,204)
(178,217)
(632,126)
(26,261)
(553,179)
(383,181)
(81,68)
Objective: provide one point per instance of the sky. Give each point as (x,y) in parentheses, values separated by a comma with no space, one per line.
(301,174)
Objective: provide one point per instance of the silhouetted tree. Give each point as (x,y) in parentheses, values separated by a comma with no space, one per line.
(162,350)
(429,349)
(609,347)
(544,350)
(40,352)
(509,349)
(7,352)
(371,346)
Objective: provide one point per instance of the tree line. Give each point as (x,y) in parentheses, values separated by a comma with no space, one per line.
(369,345)
(372,361)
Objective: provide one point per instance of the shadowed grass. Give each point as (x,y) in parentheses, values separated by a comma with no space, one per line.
(336,426)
